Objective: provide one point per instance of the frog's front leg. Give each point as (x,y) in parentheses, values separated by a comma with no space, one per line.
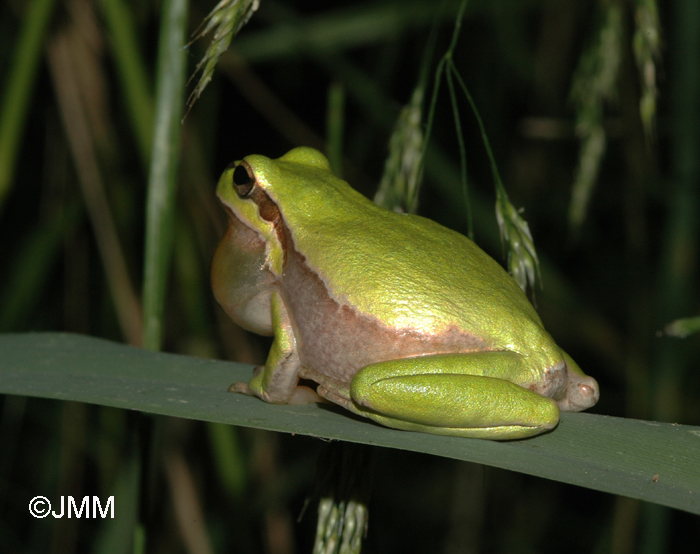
(277,381)
(450,394)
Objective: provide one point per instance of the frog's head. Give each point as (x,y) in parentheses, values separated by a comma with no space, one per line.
(256,190)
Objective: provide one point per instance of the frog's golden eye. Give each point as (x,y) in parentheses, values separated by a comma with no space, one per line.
(243,179)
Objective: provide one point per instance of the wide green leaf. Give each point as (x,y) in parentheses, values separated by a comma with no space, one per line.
(658,462)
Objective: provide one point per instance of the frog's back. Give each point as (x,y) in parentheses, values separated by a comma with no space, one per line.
(409,271)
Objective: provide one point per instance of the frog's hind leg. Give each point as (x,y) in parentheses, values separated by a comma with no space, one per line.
(445,394)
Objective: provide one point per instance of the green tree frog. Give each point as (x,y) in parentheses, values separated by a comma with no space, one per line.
(393,316)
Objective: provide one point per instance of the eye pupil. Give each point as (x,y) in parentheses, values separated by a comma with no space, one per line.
(240,176)
(243,180)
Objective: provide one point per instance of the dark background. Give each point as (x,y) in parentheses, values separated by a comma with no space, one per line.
(608,288)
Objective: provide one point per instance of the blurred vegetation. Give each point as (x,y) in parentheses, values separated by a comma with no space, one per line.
(77,115)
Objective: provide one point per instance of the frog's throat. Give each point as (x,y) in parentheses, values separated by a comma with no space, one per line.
(269,225)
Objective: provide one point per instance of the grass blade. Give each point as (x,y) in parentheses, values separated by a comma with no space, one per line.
(657,462)
(132,70)
(162,180)
(16,97)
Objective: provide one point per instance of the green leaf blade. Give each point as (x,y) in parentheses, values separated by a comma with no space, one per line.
(657,462)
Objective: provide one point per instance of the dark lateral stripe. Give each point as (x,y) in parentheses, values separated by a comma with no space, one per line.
(269,211)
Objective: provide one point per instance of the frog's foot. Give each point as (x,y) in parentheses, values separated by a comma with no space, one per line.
(301,394)
(241,387)
(581,391)
(581,394)
(244,388)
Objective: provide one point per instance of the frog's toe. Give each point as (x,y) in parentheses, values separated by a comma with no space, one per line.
(240,387)
(244,388)
(581,393)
